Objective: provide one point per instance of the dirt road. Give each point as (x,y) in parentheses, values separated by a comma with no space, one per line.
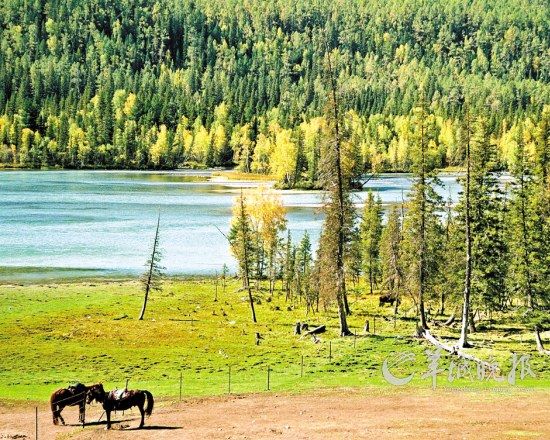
(334,414)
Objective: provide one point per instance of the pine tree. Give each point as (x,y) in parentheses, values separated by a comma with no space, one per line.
(333,236)
(463,341)
(390,256)
(288,265)
(303,271)
(242,245)
(488,212)
(451,281)
(528,229)
(422,229)
(371,230)
(151,279)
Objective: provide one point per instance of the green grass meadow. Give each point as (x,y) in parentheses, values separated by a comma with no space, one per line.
(54,334)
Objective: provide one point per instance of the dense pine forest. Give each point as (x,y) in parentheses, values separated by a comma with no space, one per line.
(165,84)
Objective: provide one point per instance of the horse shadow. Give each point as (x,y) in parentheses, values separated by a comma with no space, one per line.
(122,428)
(99,423)
(154,428)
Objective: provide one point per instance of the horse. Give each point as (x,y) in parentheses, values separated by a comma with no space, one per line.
(387,298)
(71,396)
(111,402)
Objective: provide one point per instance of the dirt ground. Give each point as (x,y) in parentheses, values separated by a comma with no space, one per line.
(335,414)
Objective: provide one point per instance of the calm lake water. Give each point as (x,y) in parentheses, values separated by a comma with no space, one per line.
(65,224)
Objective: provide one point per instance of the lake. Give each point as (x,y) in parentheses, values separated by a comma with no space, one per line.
(69,224)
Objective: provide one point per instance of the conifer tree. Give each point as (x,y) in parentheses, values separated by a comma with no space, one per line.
(422,229)
(242,245)
(390,256)
(333,236)
(528,276)
(371,230)
(151,279)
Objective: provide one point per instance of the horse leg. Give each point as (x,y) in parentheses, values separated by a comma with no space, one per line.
(142,411)
(108,414)
(61,417)
(81,412)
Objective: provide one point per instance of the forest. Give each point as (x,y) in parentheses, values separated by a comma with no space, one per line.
(488,253)
(167,84)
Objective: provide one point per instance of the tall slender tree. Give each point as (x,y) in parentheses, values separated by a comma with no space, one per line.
(151,279)
(242,245)
(390,256)
(371,230)
(422,229)
(463,341)
(333,235)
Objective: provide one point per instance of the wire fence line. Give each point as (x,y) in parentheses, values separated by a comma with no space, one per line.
(328,362)
(282,373)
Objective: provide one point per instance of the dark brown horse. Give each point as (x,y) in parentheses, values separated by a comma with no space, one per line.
(111,402)
(71,396)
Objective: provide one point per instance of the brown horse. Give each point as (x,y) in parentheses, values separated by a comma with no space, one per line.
(130,398)
(71,396)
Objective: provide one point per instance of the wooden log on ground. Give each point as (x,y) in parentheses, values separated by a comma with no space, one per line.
(453,350)
(118,318)
(450,321)
(316,330)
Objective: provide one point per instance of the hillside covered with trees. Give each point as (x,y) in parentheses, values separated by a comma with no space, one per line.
(170,83)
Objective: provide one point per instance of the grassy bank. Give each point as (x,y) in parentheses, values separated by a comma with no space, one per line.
(57,333)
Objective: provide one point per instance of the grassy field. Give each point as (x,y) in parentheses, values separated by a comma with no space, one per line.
(87,331)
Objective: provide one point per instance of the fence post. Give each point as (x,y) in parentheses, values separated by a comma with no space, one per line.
(302,367)
(354,338)
(181,382)
(329,350)
(374,325)
(36,422)
(229,382)
(268,374)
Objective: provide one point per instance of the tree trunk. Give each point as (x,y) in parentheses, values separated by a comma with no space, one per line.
(463,341)
(341,298)
(540,346)
(526,262)
(455,350)
(150,274)
(370,277)
(245,264)
(422,283)
(145,298)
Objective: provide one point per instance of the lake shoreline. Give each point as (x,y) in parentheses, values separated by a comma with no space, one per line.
(99,279)
(97,224)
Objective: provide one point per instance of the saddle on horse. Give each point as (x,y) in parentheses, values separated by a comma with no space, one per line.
(118,394)
(76,387)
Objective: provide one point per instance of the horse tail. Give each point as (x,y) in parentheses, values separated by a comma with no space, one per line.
(150,403)
(55,409)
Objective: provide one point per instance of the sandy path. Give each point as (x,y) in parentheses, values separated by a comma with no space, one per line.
(339,414)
